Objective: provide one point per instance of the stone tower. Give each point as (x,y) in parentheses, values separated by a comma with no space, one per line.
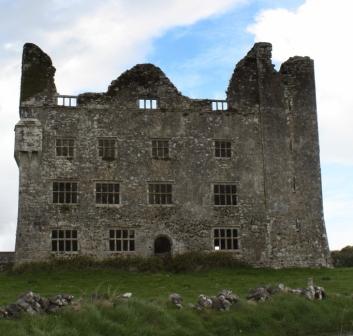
(143,170)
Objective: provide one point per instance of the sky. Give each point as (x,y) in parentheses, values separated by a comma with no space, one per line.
(197,43)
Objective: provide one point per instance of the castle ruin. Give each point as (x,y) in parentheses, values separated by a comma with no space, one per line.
(143,170)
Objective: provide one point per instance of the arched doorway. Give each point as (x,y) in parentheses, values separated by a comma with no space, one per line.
(162,246)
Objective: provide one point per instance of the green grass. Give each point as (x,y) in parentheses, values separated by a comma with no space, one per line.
(149,312)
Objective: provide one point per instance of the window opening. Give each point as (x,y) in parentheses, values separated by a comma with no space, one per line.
(225,239)
(107,193)
(223,149)
(64,240)
(225,194)
(121,240)
(65,192)
(160,193)
(160,149)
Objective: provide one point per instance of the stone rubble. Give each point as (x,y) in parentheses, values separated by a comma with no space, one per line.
(311,292)
(222,302)
(176,300)
(32,303)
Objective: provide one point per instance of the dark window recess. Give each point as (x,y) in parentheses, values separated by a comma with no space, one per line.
(121,240)
(107,149)
(160,193)
(64,241)
(65,148)
(160,149)
(107,193)
(225,239)
(225,194)
(65,192)
(223,149)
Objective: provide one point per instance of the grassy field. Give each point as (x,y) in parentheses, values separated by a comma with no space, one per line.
(149,312)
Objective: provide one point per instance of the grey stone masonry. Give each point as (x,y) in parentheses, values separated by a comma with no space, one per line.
(143,170)
(6,259)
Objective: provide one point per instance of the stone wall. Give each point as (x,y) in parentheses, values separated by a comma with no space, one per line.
(271,123)
(6,259)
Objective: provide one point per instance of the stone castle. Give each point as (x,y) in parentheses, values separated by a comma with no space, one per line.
(143,170)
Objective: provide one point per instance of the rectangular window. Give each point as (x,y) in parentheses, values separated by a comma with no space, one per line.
(147,104)
(225,239)
(223,149)
(65,192)
(70,101)
(121,240)
(64,241)
(160,193)
(107,193)
(65,147)
(160,149)
(107,148)
(219,105)
(225,194)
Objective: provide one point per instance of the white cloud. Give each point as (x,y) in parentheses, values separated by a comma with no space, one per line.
(322,30)
(90,42)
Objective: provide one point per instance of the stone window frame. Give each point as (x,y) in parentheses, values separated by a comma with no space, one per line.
(65,193)
(73,147)
(219,105)
(66,101)
(213,186)
(71,240)
(107,205)
(227,239)
(102,148)
(164,156)
(148,104)
(120,240)
(230,149)
(171,183)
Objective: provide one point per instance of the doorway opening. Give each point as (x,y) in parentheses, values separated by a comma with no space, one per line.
(162,246)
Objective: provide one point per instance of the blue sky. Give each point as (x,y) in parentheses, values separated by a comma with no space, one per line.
(200,58)
(197,44)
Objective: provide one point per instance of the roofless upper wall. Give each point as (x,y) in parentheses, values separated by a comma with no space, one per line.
(145,80)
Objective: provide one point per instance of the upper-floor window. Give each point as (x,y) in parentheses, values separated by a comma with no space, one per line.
(160,193)
(107,193)
(219,105)
(64,241)
(225,194)
(65,192)
(121,240)
(148,104)
(222,149)
(66,101)
(107,148)
(64,147)
(225,239)
(160,149)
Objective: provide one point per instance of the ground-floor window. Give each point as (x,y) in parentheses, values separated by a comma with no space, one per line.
(64,240)
(121,240)
(225,239)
